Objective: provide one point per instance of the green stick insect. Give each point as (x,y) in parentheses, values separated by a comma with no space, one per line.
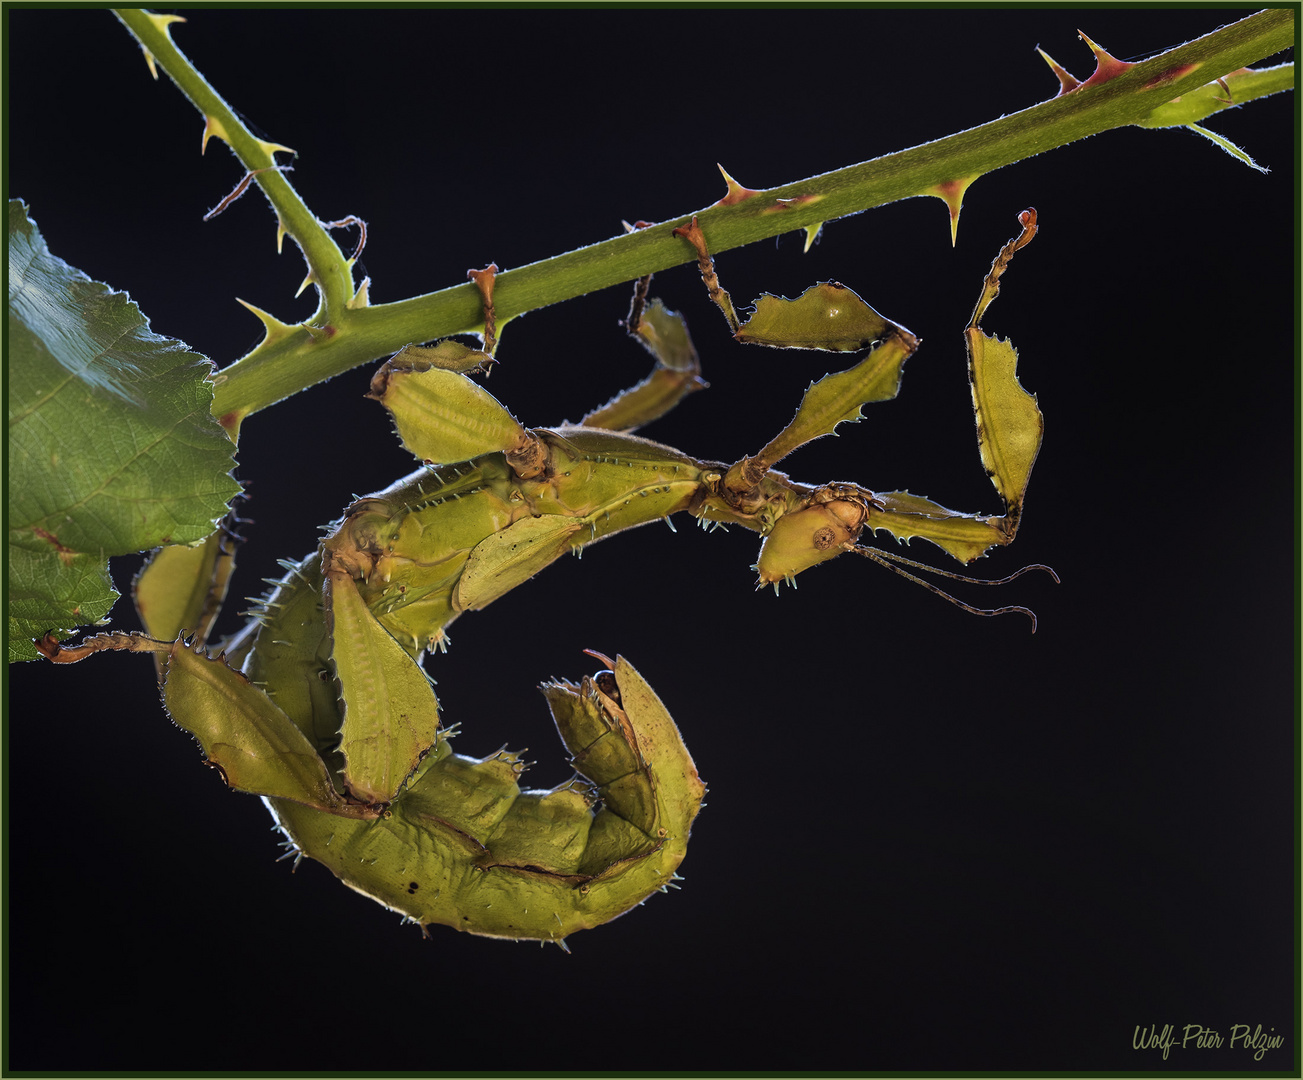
(320,704)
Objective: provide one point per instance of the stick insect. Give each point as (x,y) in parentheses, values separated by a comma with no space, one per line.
(320,704)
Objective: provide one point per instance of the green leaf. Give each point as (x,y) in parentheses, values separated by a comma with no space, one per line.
(112,447)
(1227,145)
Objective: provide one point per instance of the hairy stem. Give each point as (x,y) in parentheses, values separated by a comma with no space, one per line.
(339,337)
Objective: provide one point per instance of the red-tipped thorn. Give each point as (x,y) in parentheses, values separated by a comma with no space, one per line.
(1106,66)
(736,192)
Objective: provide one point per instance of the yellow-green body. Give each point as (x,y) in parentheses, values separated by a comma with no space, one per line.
(461,843)
(321,705)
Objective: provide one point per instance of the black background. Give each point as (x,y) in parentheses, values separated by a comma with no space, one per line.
(933,841)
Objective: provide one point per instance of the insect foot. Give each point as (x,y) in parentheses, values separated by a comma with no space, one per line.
(464,846)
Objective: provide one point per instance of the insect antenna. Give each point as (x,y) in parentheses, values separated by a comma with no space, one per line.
(894,562)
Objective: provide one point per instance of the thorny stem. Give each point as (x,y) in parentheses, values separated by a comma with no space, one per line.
(330,270)
(291,359)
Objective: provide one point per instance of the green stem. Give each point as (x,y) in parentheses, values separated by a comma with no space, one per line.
(291,359)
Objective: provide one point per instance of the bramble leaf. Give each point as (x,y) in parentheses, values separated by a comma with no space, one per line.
(112,447)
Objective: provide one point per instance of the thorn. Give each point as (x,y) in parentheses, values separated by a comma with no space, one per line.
(736,192)
(280,235)
(1106,66)
(951,192)
(272,148)
(1067,82)
(274,327)
(319,333)
(312,276)
(361,298)
(812,234)
(213,126)
(161,23)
